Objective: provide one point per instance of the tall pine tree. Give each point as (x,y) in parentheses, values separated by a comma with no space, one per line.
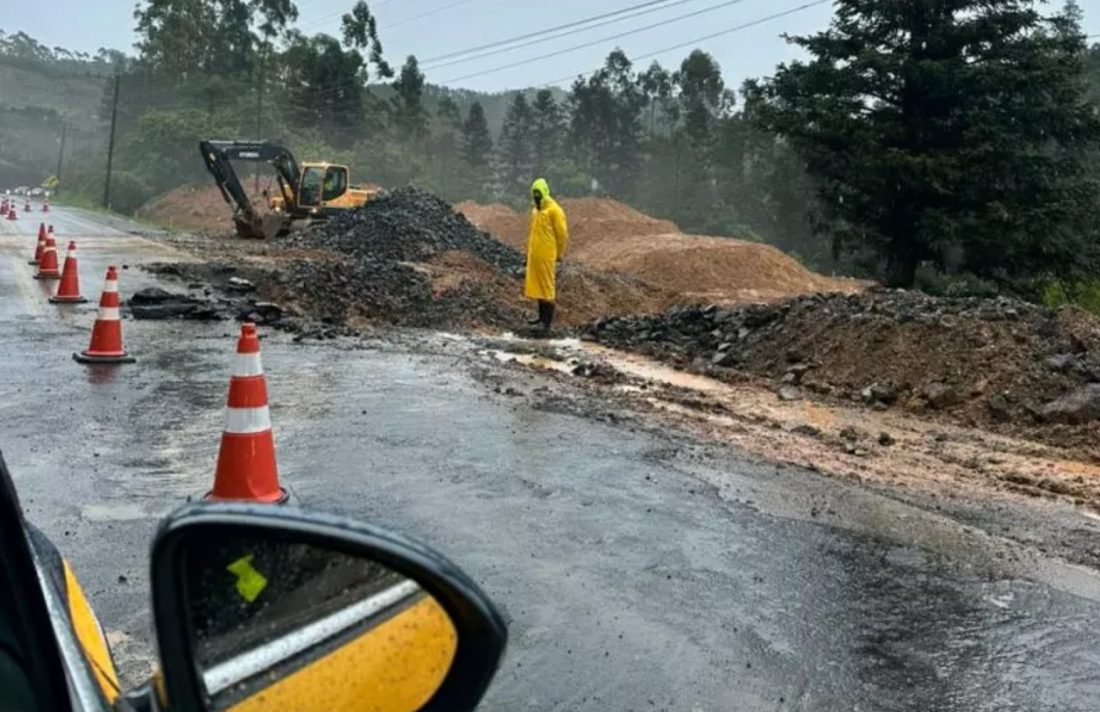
(547,132)
(516,146)
(410,117)
(477,154)
(606,128)
(952,131)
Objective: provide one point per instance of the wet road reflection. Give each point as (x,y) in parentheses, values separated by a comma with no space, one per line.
(632,578)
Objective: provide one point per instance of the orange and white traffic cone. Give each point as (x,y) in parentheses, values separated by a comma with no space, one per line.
(46,205)
(11,213)
(68,292)
(106,345)
(49,230)
(246,469)
(47,263)
(27,205)
(41,245)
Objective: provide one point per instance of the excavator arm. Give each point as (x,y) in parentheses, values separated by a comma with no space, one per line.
(218,157)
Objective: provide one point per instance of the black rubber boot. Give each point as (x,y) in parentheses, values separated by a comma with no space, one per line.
(547,317)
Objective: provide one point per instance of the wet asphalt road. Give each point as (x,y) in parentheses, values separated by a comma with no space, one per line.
(637,573)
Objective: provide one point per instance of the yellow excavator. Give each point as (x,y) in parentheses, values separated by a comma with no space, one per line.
(309,192)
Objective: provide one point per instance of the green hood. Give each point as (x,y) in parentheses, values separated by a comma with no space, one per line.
(541,186)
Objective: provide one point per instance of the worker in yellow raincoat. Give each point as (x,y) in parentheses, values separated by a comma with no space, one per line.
(546,243)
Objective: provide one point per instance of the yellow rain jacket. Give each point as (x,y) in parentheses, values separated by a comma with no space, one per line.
(546,244)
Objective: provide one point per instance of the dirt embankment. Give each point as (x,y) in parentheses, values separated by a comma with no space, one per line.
(202,208)
(609,236)
(197,207)
(406,258)
(1004,365)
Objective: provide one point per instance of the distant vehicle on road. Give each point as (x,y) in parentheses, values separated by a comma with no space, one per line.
(21,190)
(36,192)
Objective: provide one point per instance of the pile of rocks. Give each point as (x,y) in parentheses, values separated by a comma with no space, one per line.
(407,225)
(997,360)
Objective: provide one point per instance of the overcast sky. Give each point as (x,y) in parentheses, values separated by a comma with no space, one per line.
(453,25)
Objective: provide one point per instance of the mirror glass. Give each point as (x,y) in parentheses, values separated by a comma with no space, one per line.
(280,624)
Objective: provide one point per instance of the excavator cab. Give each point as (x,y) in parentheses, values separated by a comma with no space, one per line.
(322,184)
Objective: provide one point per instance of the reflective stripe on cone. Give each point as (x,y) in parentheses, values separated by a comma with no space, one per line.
(106,344)
(47,263)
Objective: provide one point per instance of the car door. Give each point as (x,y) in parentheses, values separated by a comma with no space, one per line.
(32,676)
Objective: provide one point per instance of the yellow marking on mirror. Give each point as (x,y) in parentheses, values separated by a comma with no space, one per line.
(250,582)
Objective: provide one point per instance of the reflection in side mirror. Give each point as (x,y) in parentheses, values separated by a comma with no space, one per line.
(272,619)
(269,608)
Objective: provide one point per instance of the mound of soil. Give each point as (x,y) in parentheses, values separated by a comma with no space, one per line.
(593,222)
(1012,366)
(505,224)
(197,207)
(610,236)
(406,258)
(711,269)
(202,208)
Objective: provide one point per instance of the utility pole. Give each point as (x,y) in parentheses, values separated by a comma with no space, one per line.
(260,112)
(60,155)
(111,146)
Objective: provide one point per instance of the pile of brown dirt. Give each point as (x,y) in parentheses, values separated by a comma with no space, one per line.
(610,236)
(407,259)
(491,298)
(197,207)
(500,221)
(1003,364)
(710,269)
(592,222)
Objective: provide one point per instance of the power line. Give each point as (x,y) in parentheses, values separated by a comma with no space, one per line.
(560,34)
(602,40)
(697,40)
(539,33)
(429,13)
(322,20)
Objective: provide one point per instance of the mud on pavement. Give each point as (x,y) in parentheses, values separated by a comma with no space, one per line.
(949,399)
(1017,489)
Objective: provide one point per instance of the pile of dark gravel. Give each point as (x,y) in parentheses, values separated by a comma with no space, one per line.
(370,289)
(407,225)
(394,293)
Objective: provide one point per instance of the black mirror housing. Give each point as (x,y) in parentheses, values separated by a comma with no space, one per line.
(480,630)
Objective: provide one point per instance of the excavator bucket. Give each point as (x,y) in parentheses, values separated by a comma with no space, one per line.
(266,227)
(248,229)
(276,225)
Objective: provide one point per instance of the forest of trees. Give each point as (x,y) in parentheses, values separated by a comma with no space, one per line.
(951,144)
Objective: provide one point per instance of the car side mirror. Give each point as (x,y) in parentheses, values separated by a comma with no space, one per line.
(268,608)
